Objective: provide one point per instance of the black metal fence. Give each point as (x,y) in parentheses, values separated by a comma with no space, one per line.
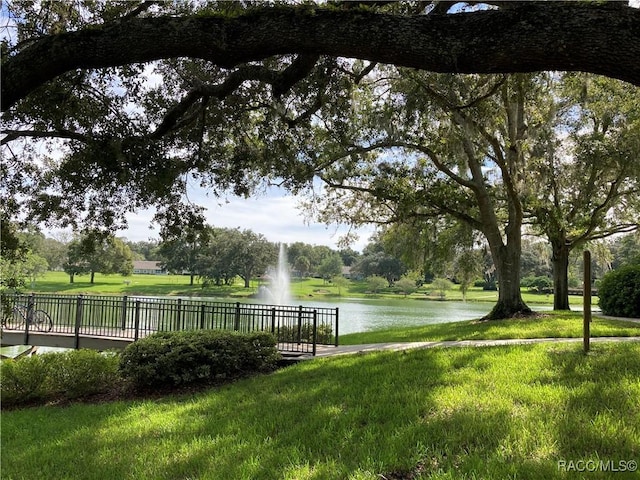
(296,328)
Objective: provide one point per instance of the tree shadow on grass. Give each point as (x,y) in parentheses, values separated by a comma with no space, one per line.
(400,414)
(603,418)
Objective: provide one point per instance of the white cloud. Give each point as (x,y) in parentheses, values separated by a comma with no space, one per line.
(275,215)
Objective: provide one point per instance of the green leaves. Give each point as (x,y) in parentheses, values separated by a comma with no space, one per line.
(93,253)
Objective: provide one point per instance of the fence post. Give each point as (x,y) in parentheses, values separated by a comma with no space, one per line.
(30,309)
(79,307)
(236,326)
(202,316)
(136,333)
(273,320)
(315,331)
(124,312)
(299,324)
(586,298)
(178,315)
(336,326)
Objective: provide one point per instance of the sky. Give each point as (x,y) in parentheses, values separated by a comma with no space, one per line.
(274,214)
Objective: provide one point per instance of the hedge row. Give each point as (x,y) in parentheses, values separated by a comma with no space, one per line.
(56,376)
(160,361)
(169,359)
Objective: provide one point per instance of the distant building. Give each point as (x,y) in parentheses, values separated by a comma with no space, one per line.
(145,267)
(347,273)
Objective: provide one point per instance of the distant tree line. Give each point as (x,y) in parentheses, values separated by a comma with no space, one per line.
(34,254)
(217,256)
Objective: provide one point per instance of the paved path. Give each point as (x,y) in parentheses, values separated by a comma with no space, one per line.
(624,319)
(327,351)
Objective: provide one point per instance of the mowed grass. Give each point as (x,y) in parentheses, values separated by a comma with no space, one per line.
(485,413)
(316,287)
(305,288)
(58,282)
(548,325)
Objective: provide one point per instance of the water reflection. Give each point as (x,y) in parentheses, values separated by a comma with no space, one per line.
(360,315)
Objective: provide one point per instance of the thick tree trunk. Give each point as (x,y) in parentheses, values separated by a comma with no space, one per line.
(560,261)
(93,275)
(510,302)
(71,278)
(191,279)
(506,256)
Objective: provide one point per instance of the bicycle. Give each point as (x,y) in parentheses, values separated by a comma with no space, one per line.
(22,314)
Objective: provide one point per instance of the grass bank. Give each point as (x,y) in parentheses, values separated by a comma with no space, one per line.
(307,288)
(547,325)
(490,413)
(58,282)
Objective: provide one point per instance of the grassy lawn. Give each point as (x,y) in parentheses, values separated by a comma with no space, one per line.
(316,287)
(58,282)
(549,325)
(307,288)
(485,413)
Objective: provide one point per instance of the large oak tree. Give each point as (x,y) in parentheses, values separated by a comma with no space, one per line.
(584,181)
(238,92)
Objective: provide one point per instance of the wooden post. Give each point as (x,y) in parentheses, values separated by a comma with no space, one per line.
(586,296)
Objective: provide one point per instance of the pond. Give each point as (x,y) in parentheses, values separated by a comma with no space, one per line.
(365,314)
(360,315)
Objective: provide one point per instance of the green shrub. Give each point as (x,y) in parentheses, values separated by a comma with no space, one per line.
(23,381)
(619,292)
(168,359)
(290,333)
(81,372)
(490,285)
(537,284)
(56,376)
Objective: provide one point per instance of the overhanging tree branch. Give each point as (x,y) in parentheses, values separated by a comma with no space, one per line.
(281,82)
(15,134)
(439,207)
(534,36)
(386,144)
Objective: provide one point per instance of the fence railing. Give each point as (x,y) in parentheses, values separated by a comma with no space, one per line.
(296,328)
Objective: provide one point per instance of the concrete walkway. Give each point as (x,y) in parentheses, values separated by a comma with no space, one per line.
(327,351)
(623,319)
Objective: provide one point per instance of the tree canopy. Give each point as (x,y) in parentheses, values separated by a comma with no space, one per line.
(141,98)
(134,102)
(516,37)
